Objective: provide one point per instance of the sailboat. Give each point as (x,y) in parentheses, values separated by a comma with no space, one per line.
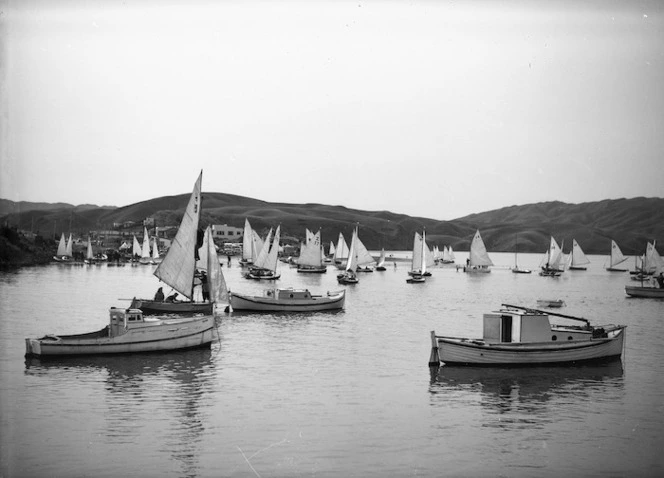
(380,266)
(516,269)
(156,258)
(311,260)
(248,252)
(341,253)
(89,255)
(578,259)
(265,266)
(419,262)
(364,261)
(651,261)
(136,251)
(145,248)
(478,260)
(64,252)
(554,259)
(349,276)
(448,255)
(178,268)
(616,258)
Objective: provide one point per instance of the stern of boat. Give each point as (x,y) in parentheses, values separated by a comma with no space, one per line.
(32,347)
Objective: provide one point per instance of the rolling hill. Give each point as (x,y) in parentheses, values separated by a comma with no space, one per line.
(631,222)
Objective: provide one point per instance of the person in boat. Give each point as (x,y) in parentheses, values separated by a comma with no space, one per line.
(172,297)
(205,287)
(159,296)
(660,280)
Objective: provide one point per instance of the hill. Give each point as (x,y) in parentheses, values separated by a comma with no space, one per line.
(631,222)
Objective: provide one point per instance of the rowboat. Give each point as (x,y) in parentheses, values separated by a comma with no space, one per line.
(645,291)
(288,300)
(519,336)
(552,303)
(129,331)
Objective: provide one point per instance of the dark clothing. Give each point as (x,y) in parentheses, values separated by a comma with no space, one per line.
(660,281)
(205,287)
(159,296)
(172,298)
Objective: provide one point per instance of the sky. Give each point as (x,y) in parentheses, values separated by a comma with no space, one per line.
(436,109)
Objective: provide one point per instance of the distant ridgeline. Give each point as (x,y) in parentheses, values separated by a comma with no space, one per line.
(630,222)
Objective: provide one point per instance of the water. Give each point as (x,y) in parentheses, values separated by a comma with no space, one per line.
(329,394)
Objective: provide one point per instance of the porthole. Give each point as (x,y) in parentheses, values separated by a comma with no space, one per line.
(554,337)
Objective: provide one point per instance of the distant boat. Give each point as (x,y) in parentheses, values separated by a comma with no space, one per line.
(312,257)
(448,255)
(340,256)
(578,260)
(146,258)
(478,260)
(65,250)
(648,289)
(616,258)
(349,276)
(364,261)
(550,303)
(519,336)
(288,300)
(418,269)
(265,267)
(248,252)
(380,266)
(516,269)
(89,255)
(554,260)
(128,331)
(156,258)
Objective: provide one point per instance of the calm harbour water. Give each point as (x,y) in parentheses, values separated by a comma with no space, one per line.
(329,394)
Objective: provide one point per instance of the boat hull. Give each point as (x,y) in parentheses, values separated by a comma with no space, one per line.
(648,292)
(267,304)
(152,307)
(454,351)
(176,334)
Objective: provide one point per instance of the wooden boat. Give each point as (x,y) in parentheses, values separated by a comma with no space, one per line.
(312,256)
(288,300)
(554,260)
(65,250)
(178,269)
(577,259)
(364,261)
(616,258)
(129,332)
(652,262)
(265,266)
(349,276)
(478,260)
(519,336)
(248,249)
(644,291)
(551,303)
(516,269)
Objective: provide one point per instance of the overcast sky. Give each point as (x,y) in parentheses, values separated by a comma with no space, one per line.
(429,108)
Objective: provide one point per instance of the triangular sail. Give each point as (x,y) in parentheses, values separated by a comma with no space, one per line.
(341,251)
(202,262)
(89,254)
(216,281)
(554,256)
(177,268)
(136,248)
(451,254)
(363,258)
(351,263)
(256,246)
(310,252)
(145,249)
(273,256)
(155,249)
(478,253)
(653,260)
(69,252)
(332,248)
(247,241)
(579,258)
(425,250)
(381,259)
(62,246)
(261,260)
(416,263)
(617,256)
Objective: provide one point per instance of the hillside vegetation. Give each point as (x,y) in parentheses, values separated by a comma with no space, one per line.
(630,222)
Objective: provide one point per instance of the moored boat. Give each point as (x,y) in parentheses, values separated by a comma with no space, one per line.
(551,303)
(129,331)
(288,300)
(644,291)
(519,336)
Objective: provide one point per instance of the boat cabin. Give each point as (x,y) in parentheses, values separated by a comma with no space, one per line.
(122,319)
(513,326)
(288,294)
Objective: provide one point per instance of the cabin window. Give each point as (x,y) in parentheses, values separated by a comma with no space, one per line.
(554,337)
(506,329)
(291,296)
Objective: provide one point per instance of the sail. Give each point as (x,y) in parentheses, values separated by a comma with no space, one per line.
(256,246)
(247,242)
(62,246)
(351,263)
(341,251)
(617,256)
(273,256)
(363,258)
(478,253)
(310,252)
(653,260)
(451,254)
(89,254)
(554,256)
(381,259)
(69,249)
(145,249)
(332,249)
(177,268)
(578,257)
(416,264)
(310,236)
(261,260)
(425,250)
(155,249)
(216,281)
(202,262)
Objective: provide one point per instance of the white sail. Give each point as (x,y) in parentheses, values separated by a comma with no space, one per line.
(310,252)
(136,248)
(247,241)
(452,258)
(478,253)
(381,259)
(554,256)
(216,281)
(578,257)
(617,256)
(261,260)
(257,245)
(416,263)
(145,249)
(273,256)
(177,268)
(425,253)
(202,262)
(89,254)
(653,260)
(332,249)
(62,246)
(309,236)
(351,263)
(341,251)
(362,256)
(155,249)
(69,252)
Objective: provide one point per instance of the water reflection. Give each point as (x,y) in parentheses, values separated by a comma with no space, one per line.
(526,396)
(169,387)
